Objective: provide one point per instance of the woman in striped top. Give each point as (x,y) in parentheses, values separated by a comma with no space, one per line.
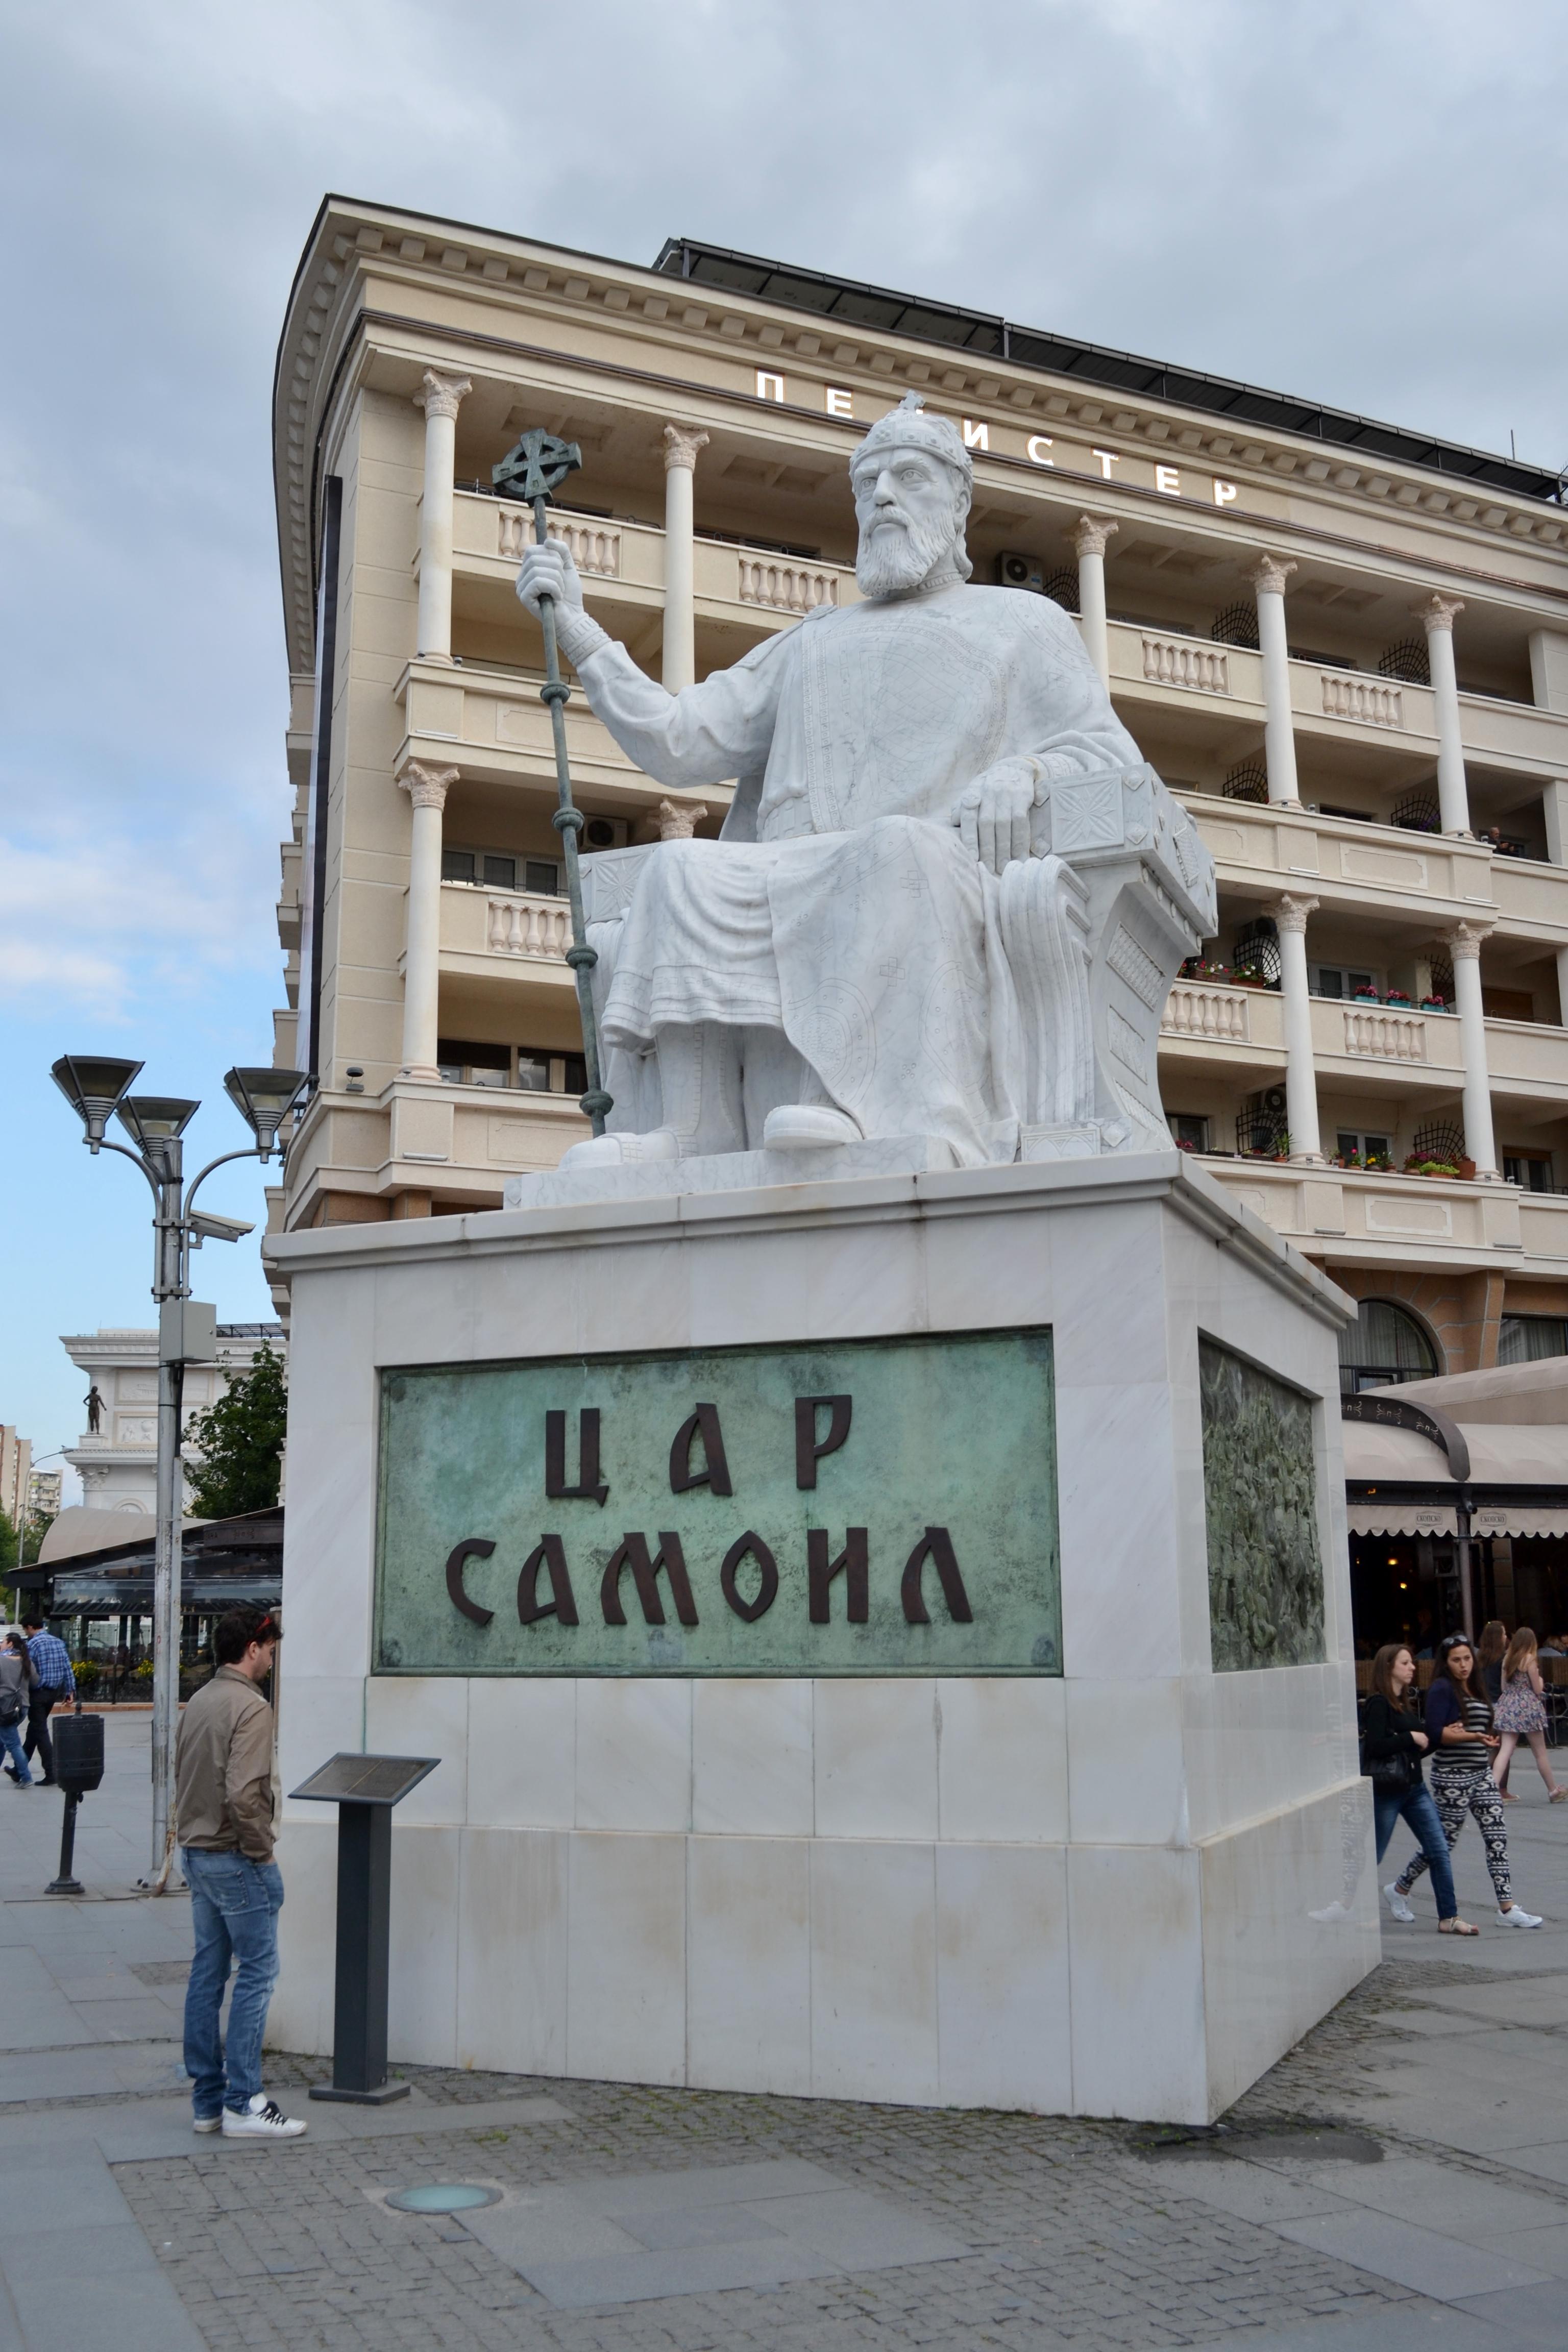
(1459,1726)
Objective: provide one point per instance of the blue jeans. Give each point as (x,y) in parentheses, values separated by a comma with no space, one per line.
(1417,1808)
(234,1912)
(11,1741)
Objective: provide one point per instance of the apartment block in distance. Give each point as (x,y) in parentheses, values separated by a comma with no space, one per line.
(1343,645)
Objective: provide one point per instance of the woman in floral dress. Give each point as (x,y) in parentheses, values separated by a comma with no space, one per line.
(1521,1712)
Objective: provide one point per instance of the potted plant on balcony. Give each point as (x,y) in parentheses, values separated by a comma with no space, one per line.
(1367,995)
(1415,1165)
(1246,975)
(1379,1163)
(1397,996)
(1435,1005)
(1346,1160)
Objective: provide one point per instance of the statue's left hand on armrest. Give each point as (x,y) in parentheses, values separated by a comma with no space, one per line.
(993,812)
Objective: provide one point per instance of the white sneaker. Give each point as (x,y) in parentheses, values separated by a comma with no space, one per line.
(1398,1905)
(1517,1918)
(206,2123)
(262,2119)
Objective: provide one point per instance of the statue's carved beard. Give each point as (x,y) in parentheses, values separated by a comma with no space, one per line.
(892,560)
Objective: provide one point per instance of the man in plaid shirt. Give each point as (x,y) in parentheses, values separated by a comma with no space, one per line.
(51,1664)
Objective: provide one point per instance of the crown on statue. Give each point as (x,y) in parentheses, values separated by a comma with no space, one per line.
(908,427)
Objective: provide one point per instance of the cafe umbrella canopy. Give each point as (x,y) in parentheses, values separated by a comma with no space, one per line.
(1456,1492)
(223,1563)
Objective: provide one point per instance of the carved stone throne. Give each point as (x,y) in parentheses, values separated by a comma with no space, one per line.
(1095,925)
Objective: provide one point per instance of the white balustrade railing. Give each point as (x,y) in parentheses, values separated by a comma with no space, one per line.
(1196,1009)
(1182,661)
(596,547)
(785,587)
(523,924)
(1391,1036)
(1368,700)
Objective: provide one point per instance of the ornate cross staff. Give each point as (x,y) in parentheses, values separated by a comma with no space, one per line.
(534,471)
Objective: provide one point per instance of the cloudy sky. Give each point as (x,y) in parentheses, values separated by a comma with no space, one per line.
(1356,199)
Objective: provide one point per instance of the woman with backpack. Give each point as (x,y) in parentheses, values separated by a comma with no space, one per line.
(17,1679)
(1393,1747)
(1460,1727)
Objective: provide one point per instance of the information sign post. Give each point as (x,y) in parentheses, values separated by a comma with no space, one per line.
(364,1789)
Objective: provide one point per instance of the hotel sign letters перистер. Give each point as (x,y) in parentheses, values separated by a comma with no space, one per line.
(874,1507)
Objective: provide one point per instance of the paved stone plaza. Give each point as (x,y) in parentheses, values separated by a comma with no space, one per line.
(1400,2181)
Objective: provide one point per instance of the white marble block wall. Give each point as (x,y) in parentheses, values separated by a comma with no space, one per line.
(1090,1894)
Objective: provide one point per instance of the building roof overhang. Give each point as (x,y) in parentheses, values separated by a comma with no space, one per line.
(853,304)
(328,329)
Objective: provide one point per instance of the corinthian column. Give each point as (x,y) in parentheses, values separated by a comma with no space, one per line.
(681,443)
(427,789)
(1290,915)
(1437,617)
(1088,537)
(440,397)
(1465,945)
(1268,576)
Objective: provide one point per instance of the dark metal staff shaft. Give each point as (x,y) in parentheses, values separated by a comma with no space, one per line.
(568,823)
(538,464)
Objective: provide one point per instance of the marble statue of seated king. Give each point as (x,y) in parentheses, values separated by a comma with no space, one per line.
(947,899)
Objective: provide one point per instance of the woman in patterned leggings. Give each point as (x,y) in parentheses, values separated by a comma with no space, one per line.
(1459,1726)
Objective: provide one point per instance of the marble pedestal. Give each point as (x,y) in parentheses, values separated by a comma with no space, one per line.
(1124,1890)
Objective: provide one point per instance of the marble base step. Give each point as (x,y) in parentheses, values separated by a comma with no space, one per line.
(725,1171)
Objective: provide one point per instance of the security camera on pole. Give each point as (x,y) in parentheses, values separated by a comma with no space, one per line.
(97,1088)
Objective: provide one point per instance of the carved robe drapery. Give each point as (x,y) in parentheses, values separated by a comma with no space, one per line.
(841,905)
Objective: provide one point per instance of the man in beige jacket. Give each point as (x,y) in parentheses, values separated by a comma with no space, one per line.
(223,1800)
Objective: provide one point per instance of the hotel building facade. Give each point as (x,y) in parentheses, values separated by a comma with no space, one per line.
(1344,645)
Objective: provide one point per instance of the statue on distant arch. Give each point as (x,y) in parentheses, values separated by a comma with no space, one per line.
(948,899)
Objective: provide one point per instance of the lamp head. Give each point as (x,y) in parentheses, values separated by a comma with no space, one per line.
(156,1118)
(155,1124)
(264,1098)
(93,1084)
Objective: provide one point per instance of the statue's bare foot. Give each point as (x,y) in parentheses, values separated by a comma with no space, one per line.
(807,1126)
(624,1150)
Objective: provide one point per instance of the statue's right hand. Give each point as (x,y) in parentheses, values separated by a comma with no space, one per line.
(549,570)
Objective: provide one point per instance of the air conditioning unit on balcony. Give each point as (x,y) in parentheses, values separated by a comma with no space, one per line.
(605,833)
(1013,571)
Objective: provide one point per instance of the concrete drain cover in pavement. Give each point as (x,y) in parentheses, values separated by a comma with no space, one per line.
(443,2197)
(650,2235)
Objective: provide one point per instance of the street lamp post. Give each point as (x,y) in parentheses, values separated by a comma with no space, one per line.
(99,1088)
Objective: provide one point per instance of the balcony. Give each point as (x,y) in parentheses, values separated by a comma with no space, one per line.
(623,563)
(1212,1023)
(1333,704)
(1360,1217)
(458,1143)
(488,935)
(290,858)
(488,719)
(1242,1026)
(1260,849)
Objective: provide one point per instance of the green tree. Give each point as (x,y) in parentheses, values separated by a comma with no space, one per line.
(35,1528)
(10,1551)
(241,1443)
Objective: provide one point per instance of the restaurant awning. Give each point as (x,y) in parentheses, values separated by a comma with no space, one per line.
(223,1561)
(1403,1480)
